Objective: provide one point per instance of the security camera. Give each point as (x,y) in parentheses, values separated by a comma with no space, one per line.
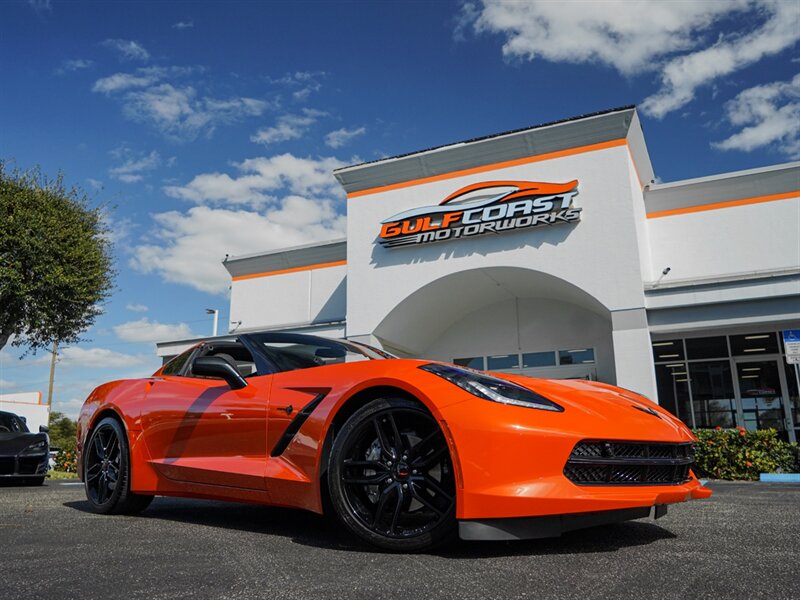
(665,271)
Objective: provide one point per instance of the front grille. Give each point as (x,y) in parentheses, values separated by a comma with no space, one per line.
(6,465)
(29,465)
(597,462)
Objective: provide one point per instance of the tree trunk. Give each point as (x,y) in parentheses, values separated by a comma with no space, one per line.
(4,336)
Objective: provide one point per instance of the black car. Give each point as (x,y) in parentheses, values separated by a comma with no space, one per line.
(24,456)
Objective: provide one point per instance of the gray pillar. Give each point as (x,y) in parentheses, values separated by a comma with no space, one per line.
(633,352)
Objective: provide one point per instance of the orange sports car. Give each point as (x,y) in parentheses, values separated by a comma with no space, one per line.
(407,453)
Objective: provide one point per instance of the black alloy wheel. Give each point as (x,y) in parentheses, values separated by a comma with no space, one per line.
(391,477)
(106,471)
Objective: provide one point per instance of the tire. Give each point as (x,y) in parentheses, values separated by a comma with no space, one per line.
(107,471)
(391,477)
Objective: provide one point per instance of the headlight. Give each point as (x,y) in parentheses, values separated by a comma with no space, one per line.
(37,448)
(492,388)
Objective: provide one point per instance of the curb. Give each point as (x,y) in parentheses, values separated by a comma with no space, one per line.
(780,477)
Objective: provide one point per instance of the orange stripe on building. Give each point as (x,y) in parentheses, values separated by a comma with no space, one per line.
(726,204)
(483,168)
(337,263)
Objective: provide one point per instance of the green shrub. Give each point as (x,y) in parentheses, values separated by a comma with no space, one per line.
(741,454)
(67,459)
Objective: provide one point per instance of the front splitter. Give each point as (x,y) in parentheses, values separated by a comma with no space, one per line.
(528,528)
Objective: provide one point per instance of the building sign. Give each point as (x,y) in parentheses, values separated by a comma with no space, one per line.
(791,344)
(487,207)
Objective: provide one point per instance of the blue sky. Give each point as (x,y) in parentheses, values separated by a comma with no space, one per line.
(212,128)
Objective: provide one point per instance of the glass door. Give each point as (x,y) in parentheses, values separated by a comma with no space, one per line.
(793,395)
(762,389)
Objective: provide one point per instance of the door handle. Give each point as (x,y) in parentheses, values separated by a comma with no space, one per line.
(227,415)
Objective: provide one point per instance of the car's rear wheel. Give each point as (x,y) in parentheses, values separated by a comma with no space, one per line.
(391,477)
(107,471)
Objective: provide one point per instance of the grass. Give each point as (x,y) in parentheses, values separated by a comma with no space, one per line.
(61,475)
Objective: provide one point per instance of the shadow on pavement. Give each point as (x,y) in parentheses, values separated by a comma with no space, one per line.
(318,531)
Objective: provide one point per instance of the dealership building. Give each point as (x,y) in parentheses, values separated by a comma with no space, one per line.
(551,251)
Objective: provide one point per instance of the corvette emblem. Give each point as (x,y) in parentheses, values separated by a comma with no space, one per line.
(487,207)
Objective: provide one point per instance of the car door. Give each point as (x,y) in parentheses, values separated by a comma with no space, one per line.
(199,430)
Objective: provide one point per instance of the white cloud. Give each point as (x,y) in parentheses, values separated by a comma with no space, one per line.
(302,83)
(768,115)
(288,201)
(136,307)
(683,75)
(177,111)
(134,167)
(625,35)
(190,246)
(340,137)
(40,6)
(261,178)
(77,64)
(123,81)
(288,127)
(6,384)
(95,183)
(187,24)
(145,330)
(673,38)
(127,49)
(98,358)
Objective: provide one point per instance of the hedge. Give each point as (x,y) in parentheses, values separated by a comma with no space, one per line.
(741,454)
(67,459)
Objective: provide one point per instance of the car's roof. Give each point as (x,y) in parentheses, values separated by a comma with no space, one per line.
(10,414)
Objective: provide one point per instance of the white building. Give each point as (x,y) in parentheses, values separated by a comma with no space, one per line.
(678,291)
(29,406)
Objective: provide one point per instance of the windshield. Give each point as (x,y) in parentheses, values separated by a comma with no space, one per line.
(11,424)
(290,351)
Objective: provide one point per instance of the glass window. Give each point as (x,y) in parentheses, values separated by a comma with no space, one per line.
(503,361)
(175,366)
(291,351)
(754,344)
(576,357)
(668,350)
(710,347)
(539,359)
(672,380)
(712,394)
(474,362)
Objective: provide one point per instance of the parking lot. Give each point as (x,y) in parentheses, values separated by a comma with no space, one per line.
(743,543)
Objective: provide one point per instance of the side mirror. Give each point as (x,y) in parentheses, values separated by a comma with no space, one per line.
(214,366)
(44,429)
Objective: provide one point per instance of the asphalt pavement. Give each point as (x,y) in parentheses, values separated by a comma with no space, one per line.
(742,543)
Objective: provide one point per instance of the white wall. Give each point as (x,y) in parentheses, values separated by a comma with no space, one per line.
(528,325)
(28,405)
(302,297)
(599,254)
(735,240)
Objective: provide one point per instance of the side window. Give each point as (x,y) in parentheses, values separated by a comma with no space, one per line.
(234,353)
(175,366)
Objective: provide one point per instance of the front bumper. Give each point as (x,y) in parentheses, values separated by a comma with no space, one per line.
(510,464)
(24,466)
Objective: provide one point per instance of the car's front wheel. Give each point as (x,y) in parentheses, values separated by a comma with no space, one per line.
(391,477)
(107,471)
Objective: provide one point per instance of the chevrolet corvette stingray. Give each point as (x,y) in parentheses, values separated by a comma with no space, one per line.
(407,453)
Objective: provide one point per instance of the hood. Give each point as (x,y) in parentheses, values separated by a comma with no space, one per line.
(608,411)
(12,444)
